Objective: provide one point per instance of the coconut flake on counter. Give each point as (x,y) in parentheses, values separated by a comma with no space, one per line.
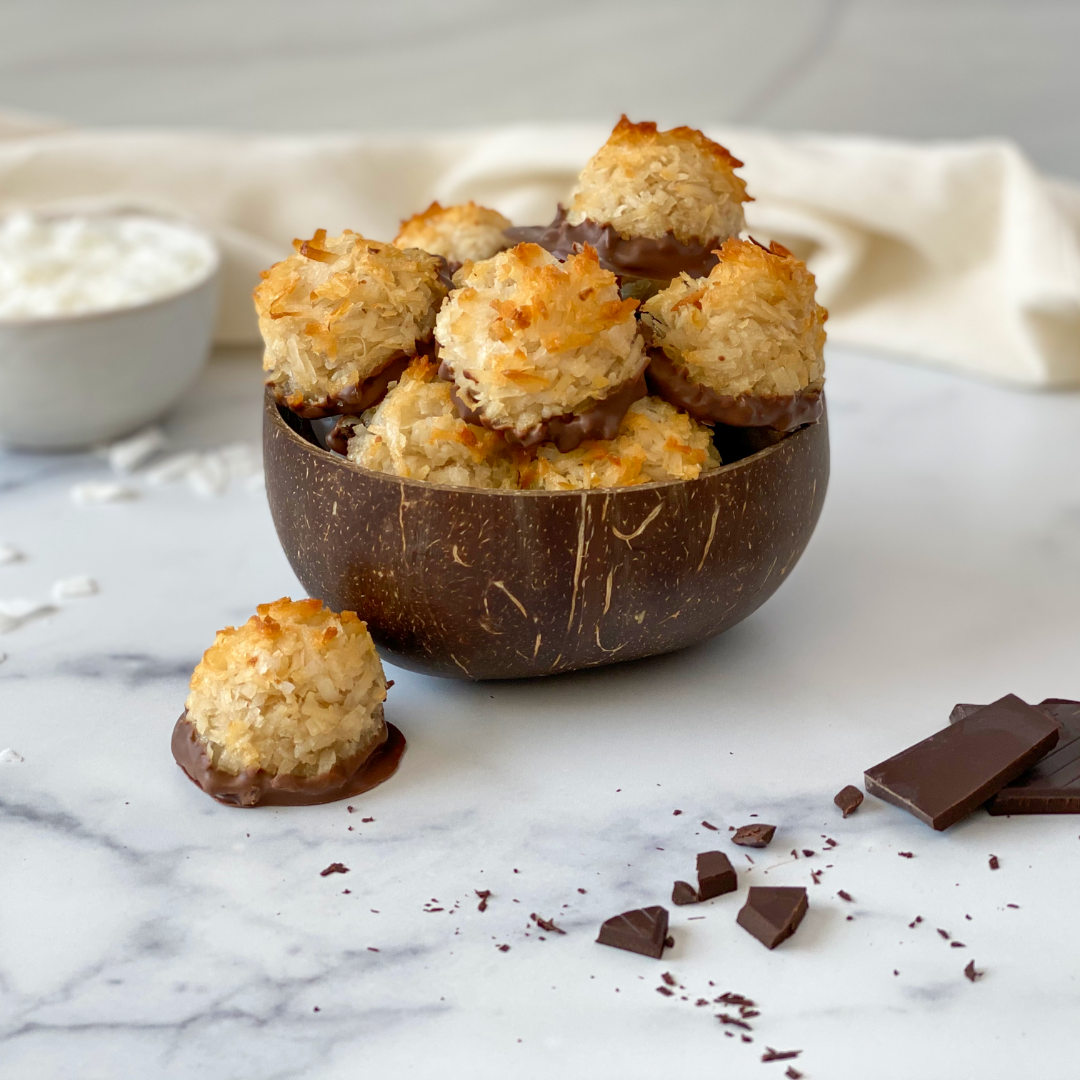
(11,757)
(74,588)
(80,263)
(128,455)
(13,613)
(92,492)
(9,553)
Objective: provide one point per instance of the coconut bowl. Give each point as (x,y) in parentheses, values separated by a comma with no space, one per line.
(475,584)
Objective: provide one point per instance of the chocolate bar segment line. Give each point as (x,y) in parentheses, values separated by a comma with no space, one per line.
(946,776)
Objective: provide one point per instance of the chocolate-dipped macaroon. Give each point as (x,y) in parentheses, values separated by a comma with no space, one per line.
(744,346)
(653,203)
(541,350)
(417,433)
(457,233)
(341,319)
(288,710)
(654,442)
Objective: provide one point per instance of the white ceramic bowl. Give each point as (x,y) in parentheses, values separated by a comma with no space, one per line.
(71,381)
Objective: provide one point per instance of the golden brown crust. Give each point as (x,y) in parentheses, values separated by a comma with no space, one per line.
(752,326)
(339,310)
(646,183)
(527,338)
(457,233)
(294,690)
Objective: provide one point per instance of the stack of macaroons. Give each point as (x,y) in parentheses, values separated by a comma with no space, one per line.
(599,351)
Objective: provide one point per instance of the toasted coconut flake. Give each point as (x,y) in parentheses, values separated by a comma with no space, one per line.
(751,327)
(645,182)
(339,310)
(293,691)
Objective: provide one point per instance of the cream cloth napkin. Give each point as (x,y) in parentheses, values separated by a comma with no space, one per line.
(955,254)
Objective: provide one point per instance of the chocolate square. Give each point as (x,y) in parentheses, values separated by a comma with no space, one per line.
(773,914)
(943,778)
(643,930)
(715,875)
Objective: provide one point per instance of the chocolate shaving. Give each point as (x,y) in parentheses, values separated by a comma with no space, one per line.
(708,826)
(483,894)
(334,868)
(636,256)
(792,1073)
(599,420)
(971,973)
(906,854)
(546,924)
(669,978)
(724,1018)
(846,896)
(728,998)
(781,412)
(779,1055)
(665,991)
(254,787)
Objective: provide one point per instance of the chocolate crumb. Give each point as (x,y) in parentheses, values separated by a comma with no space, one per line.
(779,1055)
(710,826)
(675,813)
(316,1009)
(665,991)
(503,948)
(346,892)
(895,972)
(795,853)
(848,799)
(728,998)
(816,875)
(943,933)
(367,819)
(906,854)
(730,1034)
(668,978)
(1017,906)
(483,894)
(669,942)
(994,864)
(371,948)
(733,1021)
(334,868)
(745,1038)
(582,891)
(830,843)
(748,1014)
(957,945)
(351,809)
(846,896)
(701,1001)
(971,973)
(807,853)
(792,1073)
(546,924)
(851,918)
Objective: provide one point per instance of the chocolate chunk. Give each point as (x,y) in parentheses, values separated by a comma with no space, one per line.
(849,799)
(1052,785)
(994,864)
(943,778)
(782,412)
(754,835)
(669,942)
(643,930)
(772,915)
(484,894)
(971,973)
(334,868)
(254,787)
(715,875)
(683,893)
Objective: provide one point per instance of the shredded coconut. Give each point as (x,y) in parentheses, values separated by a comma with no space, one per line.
(9,553)
(74,588)
(11,757)
(76,264)
(102,491)
(128,455)
(13,613)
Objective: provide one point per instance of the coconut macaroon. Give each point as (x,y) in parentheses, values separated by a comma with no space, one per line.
(653,203)
(541,349)
(290,702)
(457,233)
(655,442)
(342,317)
(743,346)
(417,433)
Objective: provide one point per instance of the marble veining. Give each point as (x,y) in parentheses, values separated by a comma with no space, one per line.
(147,931)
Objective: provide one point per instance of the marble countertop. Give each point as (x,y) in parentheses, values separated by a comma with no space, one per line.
(146,931)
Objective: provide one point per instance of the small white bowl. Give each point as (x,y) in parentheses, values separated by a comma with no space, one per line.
(71,381)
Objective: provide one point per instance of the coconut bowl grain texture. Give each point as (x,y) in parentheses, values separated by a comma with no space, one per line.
(475,584)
